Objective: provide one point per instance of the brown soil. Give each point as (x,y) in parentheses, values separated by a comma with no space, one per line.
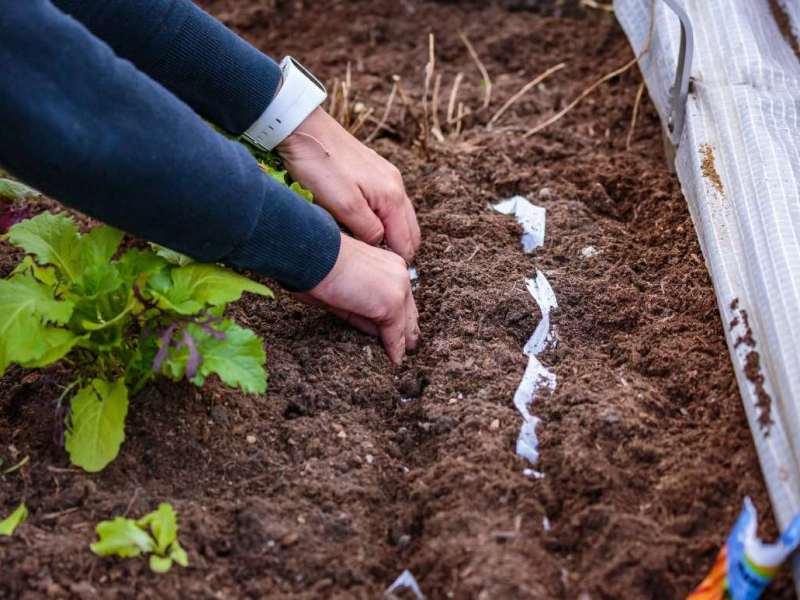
(645,448)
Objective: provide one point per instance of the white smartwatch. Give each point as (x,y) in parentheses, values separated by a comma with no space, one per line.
(299,95)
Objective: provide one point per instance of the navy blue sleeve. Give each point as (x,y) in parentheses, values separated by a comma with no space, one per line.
(87,128)
(189,52)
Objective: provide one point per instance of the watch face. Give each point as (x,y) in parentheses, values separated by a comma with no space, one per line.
(308,74)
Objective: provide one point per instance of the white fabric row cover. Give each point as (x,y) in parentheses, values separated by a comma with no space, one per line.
(738,161)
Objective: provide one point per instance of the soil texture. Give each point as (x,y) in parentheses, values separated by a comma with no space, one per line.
(348,471)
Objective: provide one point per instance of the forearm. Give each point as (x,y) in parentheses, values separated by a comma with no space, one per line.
(87,128)
(192,54)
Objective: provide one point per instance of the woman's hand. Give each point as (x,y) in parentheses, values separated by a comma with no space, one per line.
(363,191)
(370,288)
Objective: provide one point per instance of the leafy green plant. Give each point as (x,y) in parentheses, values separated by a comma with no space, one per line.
(14,189)
(118,322)
(14,520)
(271,163)
(282,176)
(155,534)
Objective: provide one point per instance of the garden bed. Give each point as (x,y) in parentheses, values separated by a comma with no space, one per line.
(329,485)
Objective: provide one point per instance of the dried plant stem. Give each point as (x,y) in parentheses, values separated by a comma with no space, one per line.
(436,128)
(344,118)
(412,111)
(634,116)
(362,118)
(597,5)
(451,105)
(581,96)
(481,67)
(459,116)
(333,103)
(523,91)
(601,81)
(382,123)
(385,127)
(465,112)
(430,67)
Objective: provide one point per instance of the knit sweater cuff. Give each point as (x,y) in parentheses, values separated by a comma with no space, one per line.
(293,241)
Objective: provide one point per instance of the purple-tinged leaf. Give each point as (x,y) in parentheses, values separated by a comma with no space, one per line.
(213,332)
(193,363)
(166,342)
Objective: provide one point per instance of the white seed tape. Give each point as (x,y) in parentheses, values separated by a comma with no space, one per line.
(545,297)
(405,581)
(531,217)
(739,165)
(536,376)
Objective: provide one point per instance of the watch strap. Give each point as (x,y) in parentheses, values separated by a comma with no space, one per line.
(298,96)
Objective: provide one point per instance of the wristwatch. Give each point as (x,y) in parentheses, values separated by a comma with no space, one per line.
(299,94)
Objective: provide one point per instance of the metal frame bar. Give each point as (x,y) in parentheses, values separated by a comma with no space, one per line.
(680,88)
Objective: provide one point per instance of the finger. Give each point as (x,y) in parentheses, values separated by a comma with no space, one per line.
(392,335)
(413,225)
(361,323)
(355,214)
(412,333)
(397,231)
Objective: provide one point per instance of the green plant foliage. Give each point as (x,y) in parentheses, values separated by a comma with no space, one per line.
(155,534)
(9,525)
(171,256)
(98,424)
(14,190)
(270,162)
(235,358)
(282,176)
(197,286)
(118,322)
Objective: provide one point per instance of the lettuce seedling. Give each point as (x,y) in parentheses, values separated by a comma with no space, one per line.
(155,534)
(118,322)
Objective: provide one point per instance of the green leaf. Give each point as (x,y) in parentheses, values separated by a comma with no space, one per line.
(196,286)
(160,564)
(299,189)
(171,256)
(135,263)
(14,189)
(99,245)
(14,520)
(46,275)
(238,359)
(178,554)
(122,537)
(59,342)
(26,305)
(98,279)
(97,424)
(52,239)
(278,175)
(129,538)
(163,524)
